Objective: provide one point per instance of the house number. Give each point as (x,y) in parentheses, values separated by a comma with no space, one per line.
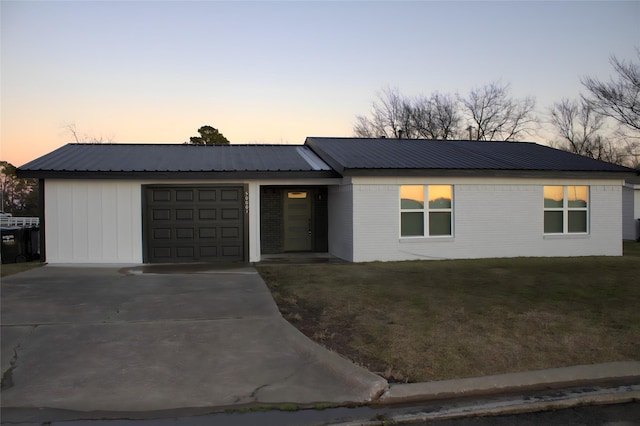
(246,202)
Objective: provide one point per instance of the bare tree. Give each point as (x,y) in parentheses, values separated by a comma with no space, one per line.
(628,144)
(436,117)
(497,116)
(619,98)
(71,130)
(578,125)
(390,117)
(395,116)
(583,131)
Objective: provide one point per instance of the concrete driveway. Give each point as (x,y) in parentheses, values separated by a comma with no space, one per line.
(146,339)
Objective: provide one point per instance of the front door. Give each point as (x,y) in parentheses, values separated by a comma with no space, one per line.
(297,221)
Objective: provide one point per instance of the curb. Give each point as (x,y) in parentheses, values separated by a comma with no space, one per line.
(513,382)
(505,407)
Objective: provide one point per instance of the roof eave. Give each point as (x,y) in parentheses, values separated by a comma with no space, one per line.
(485,173)
(181,175)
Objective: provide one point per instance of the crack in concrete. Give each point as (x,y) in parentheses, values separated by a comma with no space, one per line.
(256,390)
(6,381)
(253,396)
(7,376)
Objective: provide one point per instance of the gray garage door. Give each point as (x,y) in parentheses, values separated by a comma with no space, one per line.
(194,223)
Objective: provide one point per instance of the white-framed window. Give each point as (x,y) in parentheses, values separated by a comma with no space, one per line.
(431,219)
(566,209)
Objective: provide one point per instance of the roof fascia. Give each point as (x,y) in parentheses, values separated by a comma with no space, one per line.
(237,175)
(486,173)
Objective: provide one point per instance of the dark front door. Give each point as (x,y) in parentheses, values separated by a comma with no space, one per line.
(297,221)
(193,223)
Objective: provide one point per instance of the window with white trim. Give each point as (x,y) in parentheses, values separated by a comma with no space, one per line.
(431,219)
(566,209)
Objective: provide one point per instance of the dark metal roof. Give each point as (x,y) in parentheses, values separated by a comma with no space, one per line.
(362,156)
(319,157)
(187,160)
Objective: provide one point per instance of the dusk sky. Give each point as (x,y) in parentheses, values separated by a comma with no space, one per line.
(277,72)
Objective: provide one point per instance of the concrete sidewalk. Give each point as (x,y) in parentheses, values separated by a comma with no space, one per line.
(110,340)
(507,394)
(556,378)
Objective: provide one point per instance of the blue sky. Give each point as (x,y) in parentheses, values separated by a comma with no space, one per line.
(276,72)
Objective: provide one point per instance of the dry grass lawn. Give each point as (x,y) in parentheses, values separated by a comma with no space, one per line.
(435,320)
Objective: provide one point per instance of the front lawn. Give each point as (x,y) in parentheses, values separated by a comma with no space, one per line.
(435,320)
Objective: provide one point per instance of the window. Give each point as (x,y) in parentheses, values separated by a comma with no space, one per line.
(436,216)
(296,195)
(566,209)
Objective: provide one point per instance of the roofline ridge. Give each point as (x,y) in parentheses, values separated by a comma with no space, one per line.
(416,139)
(177,144)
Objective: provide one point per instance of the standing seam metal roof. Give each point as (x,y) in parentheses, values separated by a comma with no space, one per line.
(359,153)
(178,158)
(318,157)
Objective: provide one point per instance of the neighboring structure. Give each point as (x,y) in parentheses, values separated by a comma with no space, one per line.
(631,209)
(357,199)
(22,222)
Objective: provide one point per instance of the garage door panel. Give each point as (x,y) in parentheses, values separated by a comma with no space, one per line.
(208,251)
(161,233)
(185,252)
(230,214)
(230,195)
(161,195)
(207,233)
(231,251)
(207,195)
(162,252)
(184,214)
(184,195)
(161,214)
(230,232)
(207,214)
(184,224)
(184,233)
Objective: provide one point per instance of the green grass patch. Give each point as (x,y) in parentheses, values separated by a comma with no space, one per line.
(435,320)
(7,269)
(263,407)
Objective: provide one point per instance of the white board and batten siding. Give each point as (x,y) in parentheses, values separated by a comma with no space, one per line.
(493,217)
(100,221)
(93,221)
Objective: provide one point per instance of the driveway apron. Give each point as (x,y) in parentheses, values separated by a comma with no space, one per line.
(149,339)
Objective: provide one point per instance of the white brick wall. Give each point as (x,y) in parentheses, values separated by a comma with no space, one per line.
(630,211)
(492,218)
(340,206)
